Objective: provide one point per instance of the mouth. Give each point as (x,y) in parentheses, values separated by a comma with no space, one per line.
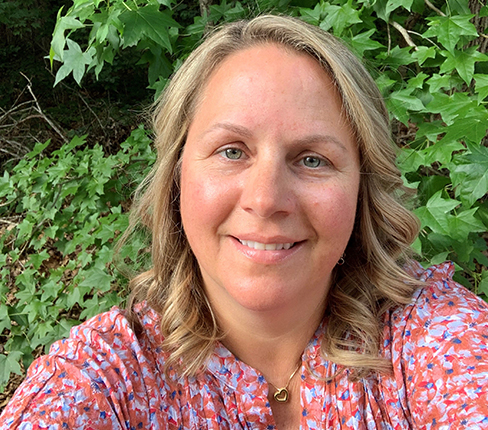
(267,246)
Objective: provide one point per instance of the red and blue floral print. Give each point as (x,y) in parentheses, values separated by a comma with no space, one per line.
(104,377)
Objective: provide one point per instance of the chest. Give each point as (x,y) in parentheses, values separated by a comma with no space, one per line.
(320,404)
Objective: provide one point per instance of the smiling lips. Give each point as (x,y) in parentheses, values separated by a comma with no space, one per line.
(266,246)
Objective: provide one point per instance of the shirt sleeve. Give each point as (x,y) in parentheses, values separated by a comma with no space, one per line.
(445,355)
(90,381)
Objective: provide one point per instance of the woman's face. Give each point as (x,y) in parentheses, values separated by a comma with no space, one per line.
(269,181)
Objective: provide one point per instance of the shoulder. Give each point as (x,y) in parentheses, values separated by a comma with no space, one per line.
(441,308)
(103,374)
(439,352)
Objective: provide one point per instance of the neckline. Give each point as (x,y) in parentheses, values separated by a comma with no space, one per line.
(241,377)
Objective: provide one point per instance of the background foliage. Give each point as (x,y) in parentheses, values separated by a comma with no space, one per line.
(63,208)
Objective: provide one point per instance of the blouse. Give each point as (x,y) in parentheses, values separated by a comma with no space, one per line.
(105,377)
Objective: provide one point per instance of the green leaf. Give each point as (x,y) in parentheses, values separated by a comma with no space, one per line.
(450,107)
(429,185)
(429,130)
(78,294)
(150,22)
(106,232)
(50,290)
(463,61)
(396,57)
(9,364)
(437,82)
(402,102)
(469,174)
(417,82)
(391,5)
(96,278)
(483,285)
(449,29)
(409,160)
(37,259)
(481,86)
(4,318)
(423,53)
(439,258)
(75,61)
(441,152)
(384,83)
(92,308)
(459,6)
(340,17)
(34,309)
(470,126)
(362,42)
(58,41)
(463,224)
(312,16)
(25,229)
(435,214)
(483,213)
(38,148)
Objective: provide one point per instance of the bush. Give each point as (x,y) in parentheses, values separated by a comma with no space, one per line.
(61,215)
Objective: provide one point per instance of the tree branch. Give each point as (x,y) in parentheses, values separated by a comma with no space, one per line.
(405,34)
(38,108)
(438,11)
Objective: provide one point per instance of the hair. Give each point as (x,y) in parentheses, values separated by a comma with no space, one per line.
(371,281)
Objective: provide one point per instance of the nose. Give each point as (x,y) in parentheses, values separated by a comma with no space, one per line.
(267,189)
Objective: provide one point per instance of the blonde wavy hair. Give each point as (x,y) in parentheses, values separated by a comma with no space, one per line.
(372,279)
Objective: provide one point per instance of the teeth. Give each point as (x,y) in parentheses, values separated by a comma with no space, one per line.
(266,246)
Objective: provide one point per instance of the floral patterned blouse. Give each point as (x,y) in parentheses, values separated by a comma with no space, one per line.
(104,377)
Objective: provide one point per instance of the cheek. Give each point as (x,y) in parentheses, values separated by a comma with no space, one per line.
(202,202)
(335,209)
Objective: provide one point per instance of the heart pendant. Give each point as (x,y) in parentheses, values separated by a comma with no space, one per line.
(281,395)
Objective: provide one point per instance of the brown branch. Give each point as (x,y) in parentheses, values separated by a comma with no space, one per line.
(405,34)
(94,114)
(431,6)
(38,108)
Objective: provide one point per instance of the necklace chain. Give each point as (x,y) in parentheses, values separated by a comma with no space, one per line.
(281,395)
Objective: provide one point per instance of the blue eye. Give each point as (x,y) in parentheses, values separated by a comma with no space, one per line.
(232,153)
(312,162)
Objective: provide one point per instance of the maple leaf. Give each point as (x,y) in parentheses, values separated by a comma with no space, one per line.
(150,22)
(75,61)
(469,174)
(463,61)
(435,214)
(448,29)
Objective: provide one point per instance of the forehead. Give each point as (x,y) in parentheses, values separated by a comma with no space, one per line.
(266,71)
(240,59)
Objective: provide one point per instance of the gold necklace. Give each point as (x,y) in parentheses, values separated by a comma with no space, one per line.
(282,395)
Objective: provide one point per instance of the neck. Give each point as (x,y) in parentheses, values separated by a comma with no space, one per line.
(270,341)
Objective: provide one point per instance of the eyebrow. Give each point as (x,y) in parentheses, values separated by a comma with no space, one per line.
(234,128)
(245,132)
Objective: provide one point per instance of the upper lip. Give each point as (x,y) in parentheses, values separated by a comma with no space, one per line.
(267,240)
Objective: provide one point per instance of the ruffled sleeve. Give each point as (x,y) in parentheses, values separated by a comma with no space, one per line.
(90,381)
(441,354)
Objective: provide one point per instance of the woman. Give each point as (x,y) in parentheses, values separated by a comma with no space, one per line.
(280,295)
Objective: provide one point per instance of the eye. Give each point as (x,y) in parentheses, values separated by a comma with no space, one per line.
(312,162)
(232,153)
